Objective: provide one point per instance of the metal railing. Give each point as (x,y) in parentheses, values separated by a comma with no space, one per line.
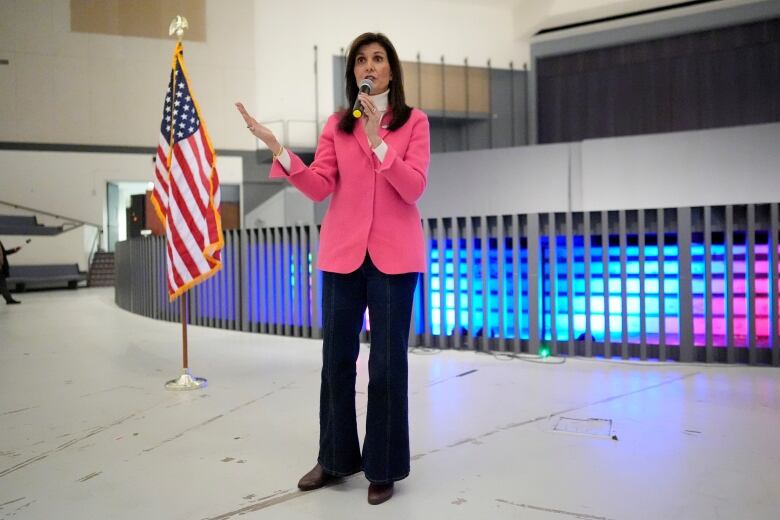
(69,224)
(73,223)
(95,247)
(687,284)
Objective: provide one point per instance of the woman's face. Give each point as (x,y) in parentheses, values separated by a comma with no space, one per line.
(371,62)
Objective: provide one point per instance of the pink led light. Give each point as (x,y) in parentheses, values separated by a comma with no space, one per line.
(740,326)
(672,325)
(699,325)
(762,327)
(719,326)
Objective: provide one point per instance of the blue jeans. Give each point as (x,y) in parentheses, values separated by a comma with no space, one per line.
(389,299)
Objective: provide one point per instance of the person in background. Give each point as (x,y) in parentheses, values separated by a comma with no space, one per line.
(4,270)
(374,166)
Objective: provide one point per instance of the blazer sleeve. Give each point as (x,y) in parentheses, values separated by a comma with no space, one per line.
(409,175)
(318,180)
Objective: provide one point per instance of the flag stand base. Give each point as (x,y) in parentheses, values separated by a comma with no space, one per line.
(186,382)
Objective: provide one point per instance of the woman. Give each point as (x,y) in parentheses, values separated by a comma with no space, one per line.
(371,251)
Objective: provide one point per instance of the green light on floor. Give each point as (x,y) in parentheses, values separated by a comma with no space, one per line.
(544,352)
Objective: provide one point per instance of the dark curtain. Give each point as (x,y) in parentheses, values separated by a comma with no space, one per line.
(721,77)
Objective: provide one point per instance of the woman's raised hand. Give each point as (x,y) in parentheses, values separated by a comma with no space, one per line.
(260,131)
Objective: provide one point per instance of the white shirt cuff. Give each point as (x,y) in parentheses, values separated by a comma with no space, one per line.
(284,160)
(380,151)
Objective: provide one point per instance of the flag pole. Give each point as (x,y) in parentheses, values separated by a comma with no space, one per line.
(185,381)
(185,364)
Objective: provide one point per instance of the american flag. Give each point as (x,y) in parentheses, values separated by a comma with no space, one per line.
(186,192)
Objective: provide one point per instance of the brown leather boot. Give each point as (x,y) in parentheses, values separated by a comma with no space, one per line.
(378,493)
(315,479)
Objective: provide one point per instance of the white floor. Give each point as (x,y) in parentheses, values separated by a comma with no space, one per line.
(87,430)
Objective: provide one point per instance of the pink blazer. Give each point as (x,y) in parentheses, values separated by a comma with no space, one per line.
(373,206)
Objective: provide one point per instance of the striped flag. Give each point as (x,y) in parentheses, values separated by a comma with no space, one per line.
(186,192)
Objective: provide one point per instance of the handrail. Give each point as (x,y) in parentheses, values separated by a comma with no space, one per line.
(73,223)
(54,215)
(94,248)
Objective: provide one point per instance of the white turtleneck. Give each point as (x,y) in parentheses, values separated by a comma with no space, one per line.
(381,102)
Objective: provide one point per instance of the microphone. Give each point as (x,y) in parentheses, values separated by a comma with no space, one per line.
(365,86)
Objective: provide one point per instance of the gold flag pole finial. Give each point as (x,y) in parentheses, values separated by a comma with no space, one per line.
(177,27)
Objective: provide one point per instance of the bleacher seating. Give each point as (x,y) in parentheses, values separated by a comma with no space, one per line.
(45,276)
(24,225)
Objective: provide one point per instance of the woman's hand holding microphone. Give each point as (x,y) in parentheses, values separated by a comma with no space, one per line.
(371,119)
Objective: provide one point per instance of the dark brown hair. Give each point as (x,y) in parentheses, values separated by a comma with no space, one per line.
(396,99)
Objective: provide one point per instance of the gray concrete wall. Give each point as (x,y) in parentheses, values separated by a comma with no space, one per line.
(705,167)
(710,167)
(499,181)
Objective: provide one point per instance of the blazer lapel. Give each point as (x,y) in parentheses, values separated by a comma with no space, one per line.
(362,138)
